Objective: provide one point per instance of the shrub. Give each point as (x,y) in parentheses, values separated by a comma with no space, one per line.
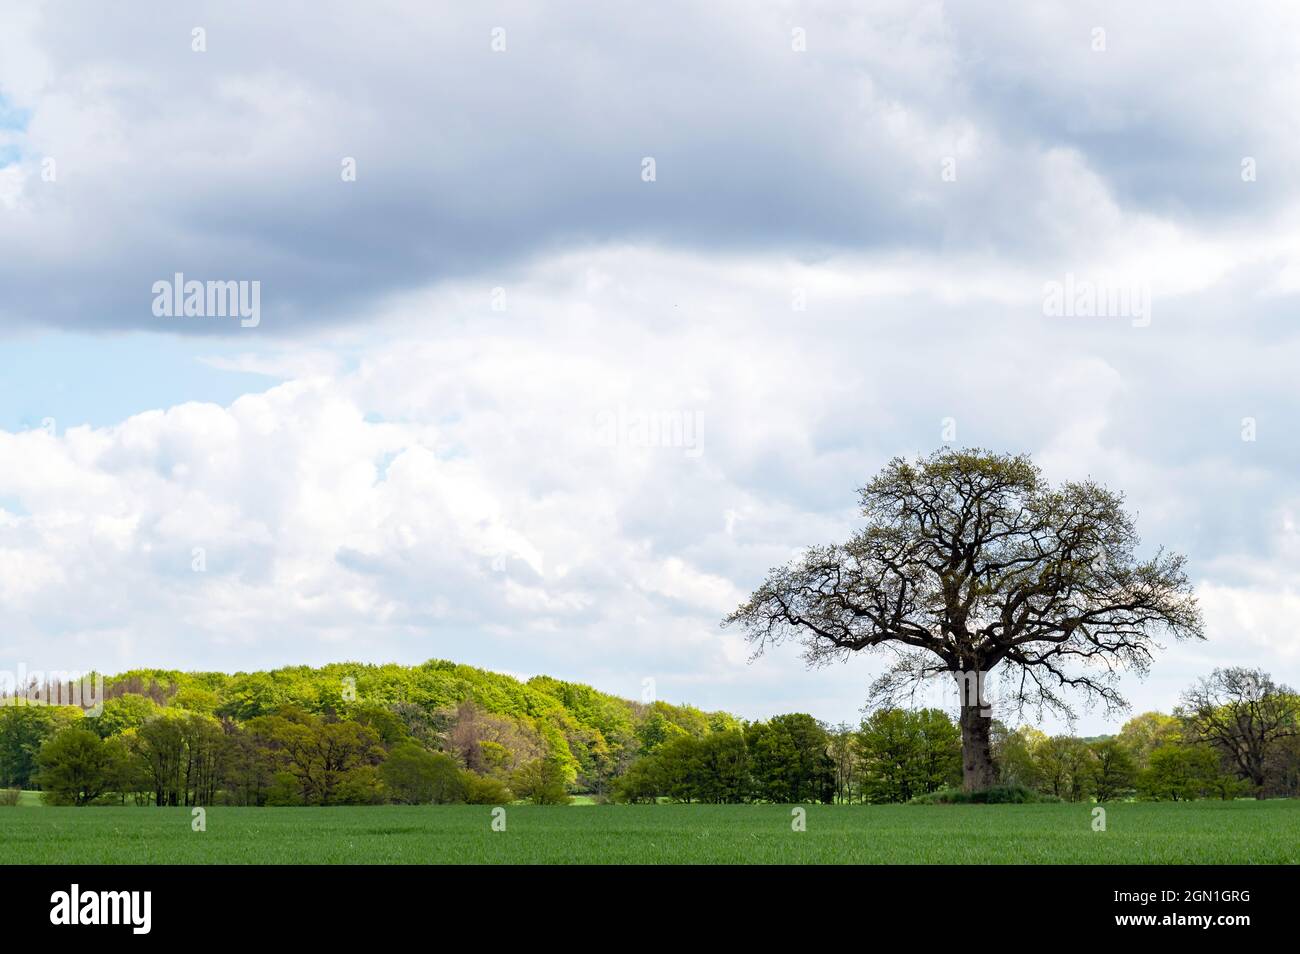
(75,768)
(541,782)
(284,790)
(361,785)
(485,790)
(997,795)
(642,782)
(417,777)
(9,797)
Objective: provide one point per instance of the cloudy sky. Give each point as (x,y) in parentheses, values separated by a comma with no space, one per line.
(573,321)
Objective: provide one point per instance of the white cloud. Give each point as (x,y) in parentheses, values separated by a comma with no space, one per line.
(1258,621)
(451,493)
(438,477)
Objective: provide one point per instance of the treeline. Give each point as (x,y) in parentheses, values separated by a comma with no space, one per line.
(341,734)
(894,755)
(351,734)
(290,758)
(1237,733)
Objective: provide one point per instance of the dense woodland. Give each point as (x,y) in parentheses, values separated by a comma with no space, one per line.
(353,734)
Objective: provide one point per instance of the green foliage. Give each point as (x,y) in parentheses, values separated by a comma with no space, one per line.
(1182,772)
(906,753)
(352,733)
(641,783)
(541,782)
(782,760)
(1113,769)
(387,726)
(23,730)
(663,722)
(590,736)
(481,790)
(1143,733)
(722,762)
(315,753)
(681,769)
(997,795)
(1013,752)
(127,711)
(196,698)
(713,768)
(788,759)
(283,791)
(360,785)
(415,776)
(1064,767)
(76,767)
(181,757)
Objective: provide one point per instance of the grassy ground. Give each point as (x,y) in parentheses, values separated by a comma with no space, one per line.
(1139,833)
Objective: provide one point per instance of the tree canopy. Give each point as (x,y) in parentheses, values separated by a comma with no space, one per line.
(971,564)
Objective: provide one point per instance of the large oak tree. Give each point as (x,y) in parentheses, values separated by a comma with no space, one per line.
(971,566)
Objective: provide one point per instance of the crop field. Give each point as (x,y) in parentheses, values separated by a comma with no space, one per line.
(1238,832)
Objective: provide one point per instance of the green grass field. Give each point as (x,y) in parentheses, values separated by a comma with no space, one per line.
(1239,832)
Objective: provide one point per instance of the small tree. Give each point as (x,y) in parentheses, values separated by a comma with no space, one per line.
(969,563)
(642,782)
(1243,714)
(160,746)
(416,777)
(1113,769)
(888,746)
(541,782)
(844,755)
(23,730)
(1062,764)
(723,763)
(1143,733)
(484,790)
(906,753)
(75,767)
(1182,772)
(788,759)
(1014,752)
(408,774)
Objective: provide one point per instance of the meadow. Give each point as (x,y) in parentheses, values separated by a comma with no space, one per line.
(1204,832)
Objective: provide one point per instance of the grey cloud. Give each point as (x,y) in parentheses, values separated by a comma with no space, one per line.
(226,164)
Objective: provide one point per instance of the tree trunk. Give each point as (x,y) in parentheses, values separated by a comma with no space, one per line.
(977,770)
(1258,780)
